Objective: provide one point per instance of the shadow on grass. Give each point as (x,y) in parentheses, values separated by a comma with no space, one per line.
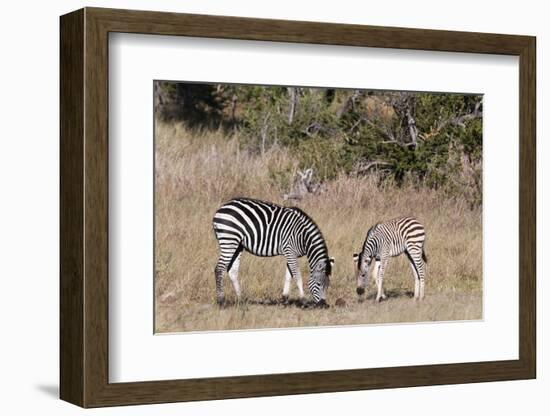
(309,304)
(297,303)
(393,294)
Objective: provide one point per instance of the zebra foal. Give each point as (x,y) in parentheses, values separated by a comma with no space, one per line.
(390,239)
(265,229)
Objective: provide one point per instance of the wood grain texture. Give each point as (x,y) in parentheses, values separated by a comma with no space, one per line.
(71,213)
(96,208)
(84,207)
(162,23)
(527,208)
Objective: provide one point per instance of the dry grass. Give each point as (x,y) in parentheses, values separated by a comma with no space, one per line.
(195,173)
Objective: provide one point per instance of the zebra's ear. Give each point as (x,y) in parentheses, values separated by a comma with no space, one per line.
(331,260)
(355,257)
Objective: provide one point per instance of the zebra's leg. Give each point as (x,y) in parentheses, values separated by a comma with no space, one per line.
(416,280)
(286,287)
(415,274)
(300,285)
(414,254)
(234,274)
(379,270)
(416,284)
(218,273)
(292,266)
(380,288)
(376,272)
(229,250)
(421,277)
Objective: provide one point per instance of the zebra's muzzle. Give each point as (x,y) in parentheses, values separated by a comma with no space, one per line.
(360,291)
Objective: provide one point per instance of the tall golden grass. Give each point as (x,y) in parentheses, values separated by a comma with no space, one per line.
(196,172)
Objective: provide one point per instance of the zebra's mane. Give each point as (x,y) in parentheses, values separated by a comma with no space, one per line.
(307,217)
(260,201)
(369,234)
(325,248)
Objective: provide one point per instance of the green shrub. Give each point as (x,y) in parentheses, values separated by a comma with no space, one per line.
(433,139)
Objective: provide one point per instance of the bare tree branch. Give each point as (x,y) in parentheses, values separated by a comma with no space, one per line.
(459,121)
(364,168)
(413,131)
(348,102)
(398,143)
(293,96)
(263,133)
(303,185)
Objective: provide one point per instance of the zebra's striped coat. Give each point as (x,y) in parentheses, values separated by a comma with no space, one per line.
(265,229)
(390,239)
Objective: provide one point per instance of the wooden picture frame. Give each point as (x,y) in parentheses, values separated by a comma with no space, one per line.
(84,207)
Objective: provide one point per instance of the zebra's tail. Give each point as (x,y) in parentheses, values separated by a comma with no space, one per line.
(424,256)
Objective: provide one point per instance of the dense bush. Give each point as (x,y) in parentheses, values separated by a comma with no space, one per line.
(429,138)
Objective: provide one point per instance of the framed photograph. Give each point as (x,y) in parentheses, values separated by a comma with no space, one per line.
(255,207)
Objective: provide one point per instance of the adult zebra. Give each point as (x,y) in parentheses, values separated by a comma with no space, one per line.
(265,229)
(389,239)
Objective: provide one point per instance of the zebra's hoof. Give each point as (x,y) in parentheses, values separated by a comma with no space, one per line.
(220,302)
(284,300)
(322,304)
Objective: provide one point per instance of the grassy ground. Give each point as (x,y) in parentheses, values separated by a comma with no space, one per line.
(196,173)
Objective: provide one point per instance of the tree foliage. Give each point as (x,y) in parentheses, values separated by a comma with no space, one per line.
(433,139)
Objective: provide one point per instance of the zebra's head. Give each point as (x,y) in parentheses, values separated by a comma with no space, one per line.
(320,279)
(362,271)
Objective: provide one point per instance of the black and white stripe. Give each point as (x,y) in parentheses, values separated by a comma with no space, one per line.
(265,229)
(390,239)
